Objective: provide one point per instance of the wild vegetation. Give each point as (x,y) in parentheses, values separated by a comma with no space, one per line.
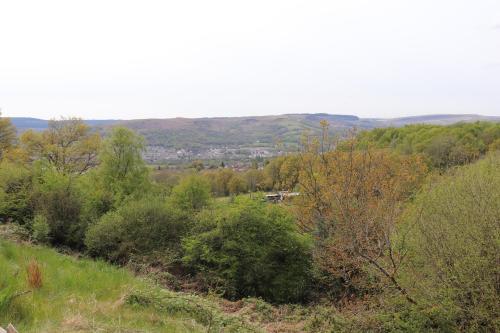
(393,230)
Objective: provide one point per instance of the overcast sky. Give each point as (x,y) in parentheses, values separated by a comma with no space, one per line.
(143,59)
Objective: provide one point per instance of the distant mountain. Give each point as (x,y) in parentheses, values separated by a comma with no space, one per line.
(439,119)
(266,130)
(25,123)
(243,137)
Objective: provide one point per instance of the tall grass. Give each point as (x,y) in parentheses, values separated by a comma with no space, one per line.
(34,275)
(69,294)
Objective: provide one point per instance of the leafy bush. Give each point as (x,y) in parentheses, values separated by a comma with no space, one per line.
(455,244)
(136,228)
(59,201)
(251,249)
(15,192)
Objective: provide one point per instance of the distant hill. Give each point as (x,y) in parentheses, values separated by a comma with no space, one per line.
(240,137)
(439,119)
(25,123)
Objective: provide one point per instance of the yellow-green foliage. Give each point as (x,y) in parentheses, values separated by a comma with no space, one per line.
(455,244)
(444,145)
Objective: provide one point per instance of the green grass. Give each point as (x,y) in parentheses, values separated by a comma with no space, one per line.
(80,295)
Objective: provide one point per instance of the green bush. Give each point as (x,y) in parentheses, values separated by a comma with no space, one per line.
(137,228)
(455,242)
(250,248)
(15,192)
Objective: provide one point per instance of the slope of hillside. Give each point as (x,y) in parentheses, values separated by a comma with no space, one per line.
(80,295)
(235,131)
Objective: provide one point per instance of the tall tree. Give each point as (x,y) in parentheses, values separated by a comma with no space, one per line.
(351,199)
(69,145)
(122,168)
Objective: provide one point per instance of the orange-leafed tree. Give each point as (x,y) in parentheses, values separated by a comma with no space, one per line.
(351,200)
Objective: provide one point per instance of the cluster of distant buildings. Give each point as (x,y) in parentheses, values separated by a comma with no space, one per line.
(158,154)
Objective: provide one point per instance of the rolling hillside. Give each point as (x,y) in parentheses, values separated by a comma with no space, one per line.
(242,137)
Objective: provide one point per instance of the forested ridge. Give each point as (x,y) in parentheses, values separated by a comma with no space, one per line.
(392,230)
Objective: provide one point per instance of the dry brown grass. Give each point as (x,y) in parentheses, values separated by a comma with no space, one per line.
(34,275)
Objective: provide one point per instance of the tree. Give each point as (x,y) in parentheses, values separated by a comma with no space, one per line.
(351,200)
(283,172)
(122,168)
(237,185)
(256,180)
(68,145)
(7,135)
(220,181)
(191,194)
(197,165)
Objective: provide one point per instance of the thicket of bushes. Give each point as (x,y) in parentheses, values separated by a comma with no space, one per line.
(444,146)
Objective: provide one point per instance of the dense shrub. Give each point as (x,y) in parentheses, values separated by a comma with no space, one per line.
(58,200)
(137,228)
(15,192)
(191,194)
(455,242)
(251,249)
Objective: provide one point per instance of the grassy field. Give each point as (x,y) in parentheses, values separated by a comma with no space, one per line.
(79,295)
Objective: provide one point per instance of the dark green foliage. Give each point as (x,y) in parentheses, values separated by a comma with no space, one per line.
(137,228)
(252,249)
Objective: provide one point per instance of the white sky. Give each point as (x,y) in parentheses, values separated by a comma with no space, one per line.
(143,59)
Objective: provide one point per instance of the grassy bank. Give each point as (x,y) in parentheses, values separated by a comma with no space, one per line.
(79,295)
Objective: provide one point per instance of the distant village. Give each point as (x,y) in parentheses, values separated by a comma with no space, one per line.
(160,154)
